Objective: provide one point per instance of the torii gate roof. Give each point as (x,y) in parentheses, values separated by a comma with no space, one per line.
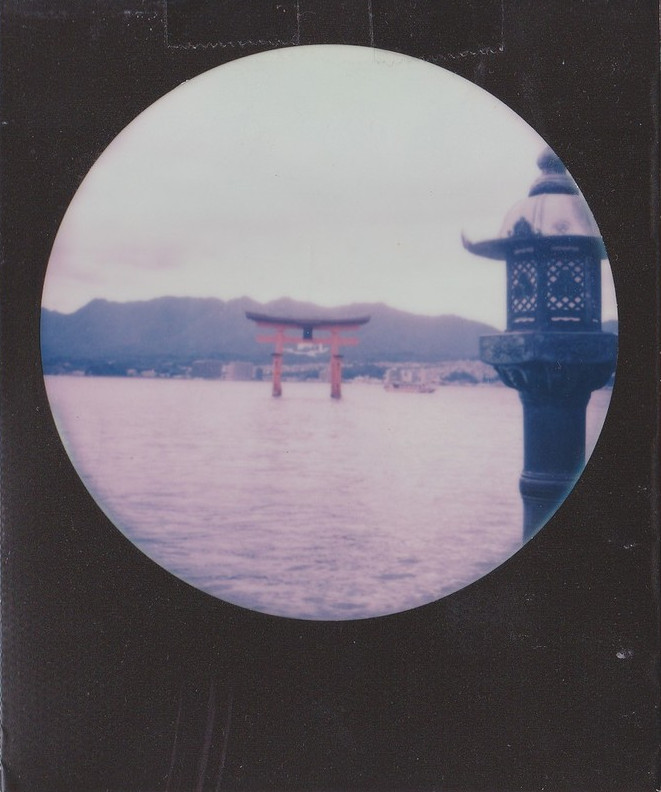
(288,321)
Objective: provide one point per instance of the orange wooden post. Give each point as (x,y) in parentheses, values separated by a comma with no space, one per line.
(335,366)
(277,362)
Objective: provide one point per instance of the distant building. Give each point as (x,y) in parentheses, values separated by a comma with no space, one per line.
(239,370)
(207,369)
(407,375)
(458,372)
(310,349)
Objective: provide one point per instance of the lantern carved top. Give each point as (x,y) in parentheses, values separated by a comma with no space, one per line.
(554,210)
(553,251)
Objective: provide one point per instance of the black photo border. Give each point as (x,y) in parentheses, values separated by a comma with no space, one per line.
(541,676)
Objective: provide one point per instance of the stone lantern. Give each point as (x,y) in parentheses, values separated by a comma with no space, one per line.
(554,351)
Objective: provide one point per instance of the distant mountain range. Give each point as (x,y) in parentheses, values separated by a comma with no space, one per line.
(186,328)
(183,329)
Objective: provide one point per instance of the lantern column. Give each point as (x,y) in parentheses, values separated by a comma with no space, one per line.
(555,377)
(554,352)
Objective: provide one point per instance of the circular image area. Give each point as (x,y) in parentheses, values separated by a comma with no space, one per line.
(327,332)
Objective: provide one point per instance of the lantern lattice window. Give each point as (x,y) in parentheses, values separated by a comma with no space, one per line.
(523,291)
(565,289)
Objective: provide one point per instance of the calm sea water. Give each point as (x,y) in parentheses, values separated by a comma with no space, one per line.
(304,506)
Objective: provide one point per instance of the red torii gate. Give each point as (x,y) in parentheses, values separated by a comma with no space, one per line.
(308,326)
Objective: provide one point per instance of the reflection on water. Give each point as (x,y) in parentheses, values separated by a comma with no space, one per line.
(304,506)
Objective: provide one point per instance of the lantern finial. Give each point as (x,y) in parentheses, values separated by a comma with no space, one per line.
(554,178)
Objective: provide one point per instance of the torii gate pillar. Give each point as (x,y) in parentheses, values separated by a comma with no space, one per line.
(277,374)
(335,366)
(279,339)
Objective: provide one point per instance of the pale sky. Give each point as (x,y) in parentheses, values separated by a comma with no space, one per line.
(330,174)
